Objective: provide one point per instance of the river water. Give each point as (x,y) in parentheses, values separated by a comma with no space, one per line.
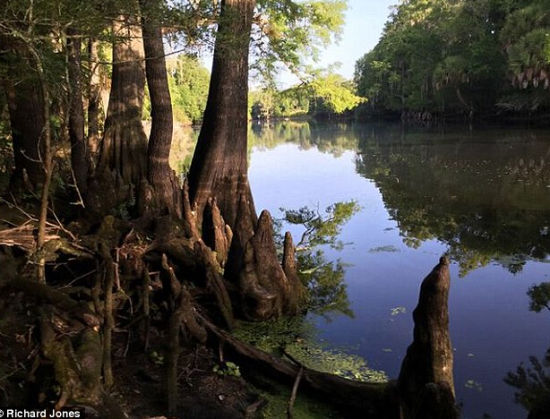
(481,196)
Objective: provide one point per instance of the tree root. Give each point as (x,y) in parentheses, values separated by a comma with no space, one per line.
(60,300)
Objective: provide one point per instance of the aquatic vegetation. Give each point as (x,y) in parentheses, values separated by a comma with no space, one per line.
(380,249)
(296,337)
(396,311)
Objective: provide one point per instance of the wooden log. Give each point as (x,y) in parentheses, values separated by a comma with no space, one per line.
(359,399)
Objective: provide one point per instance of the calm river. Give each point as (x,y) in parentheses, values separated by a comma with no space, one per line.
(483,197)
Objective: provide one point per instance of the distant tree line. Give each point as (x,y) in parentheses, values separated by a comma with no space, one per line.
(324,94)
(462,58)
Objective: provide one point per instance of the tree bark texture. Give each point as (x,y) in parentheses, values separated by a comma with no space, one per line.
(218,181)
(124,145)
(25,106)
(94,102)
(79,152)
(265,289)
(166,190)
(426,382)
(219,166)
(122,163)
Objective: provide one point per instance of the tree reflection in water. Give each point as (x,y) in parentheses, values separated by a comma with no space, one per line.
(485,198)
(324,279)
(533,382)
(483,194)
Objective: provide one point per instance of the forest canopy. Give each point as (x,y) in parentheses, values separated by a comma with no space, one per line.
(460,57)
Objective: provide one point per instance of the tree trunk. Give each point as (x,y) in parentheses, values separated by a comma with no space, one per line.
(79,158)
(27,122)
(94,101)
(426,382)
(122,161)
(25,106)
(218,178)
(219,166)
(166,193)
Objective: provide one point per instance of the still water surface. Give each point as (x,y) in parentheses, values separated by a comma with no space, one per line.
(481,196)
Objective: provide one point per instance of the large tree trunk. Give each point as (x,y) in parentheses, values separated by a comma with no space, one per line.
(94,100)
(426,384)
(27,122)
(25,106)
(219,166)
(165,189)
(122,161)
(79,158)
(218,181)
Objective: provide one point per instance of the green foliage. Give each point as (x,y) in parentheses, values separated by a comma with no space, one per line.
(274,335)
(480,201)
(156,358)
(324,279)
(336,362)
(326,93)
(289,30)
(305,407)
(306,134)
(228,369)
(188,81)
(526,35)
(526,38)
(437,56)
(331,93)
(533,383)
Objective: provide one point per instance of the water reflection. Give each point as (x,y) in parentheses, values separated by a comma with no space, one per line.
(533,382)
(484,195)
(334,139)
(324,278)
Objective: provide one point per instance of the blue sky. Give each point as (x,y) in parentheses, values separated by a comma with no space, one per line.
(365,20)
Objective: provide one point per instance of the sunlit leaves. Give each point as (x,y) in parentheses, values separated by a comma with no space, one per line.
(287,31)
(429,51)
(334,93)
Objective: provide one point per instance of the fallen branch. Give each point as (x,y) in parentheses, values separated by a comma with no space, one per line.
(364,400)
(294,392)
(23,236)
